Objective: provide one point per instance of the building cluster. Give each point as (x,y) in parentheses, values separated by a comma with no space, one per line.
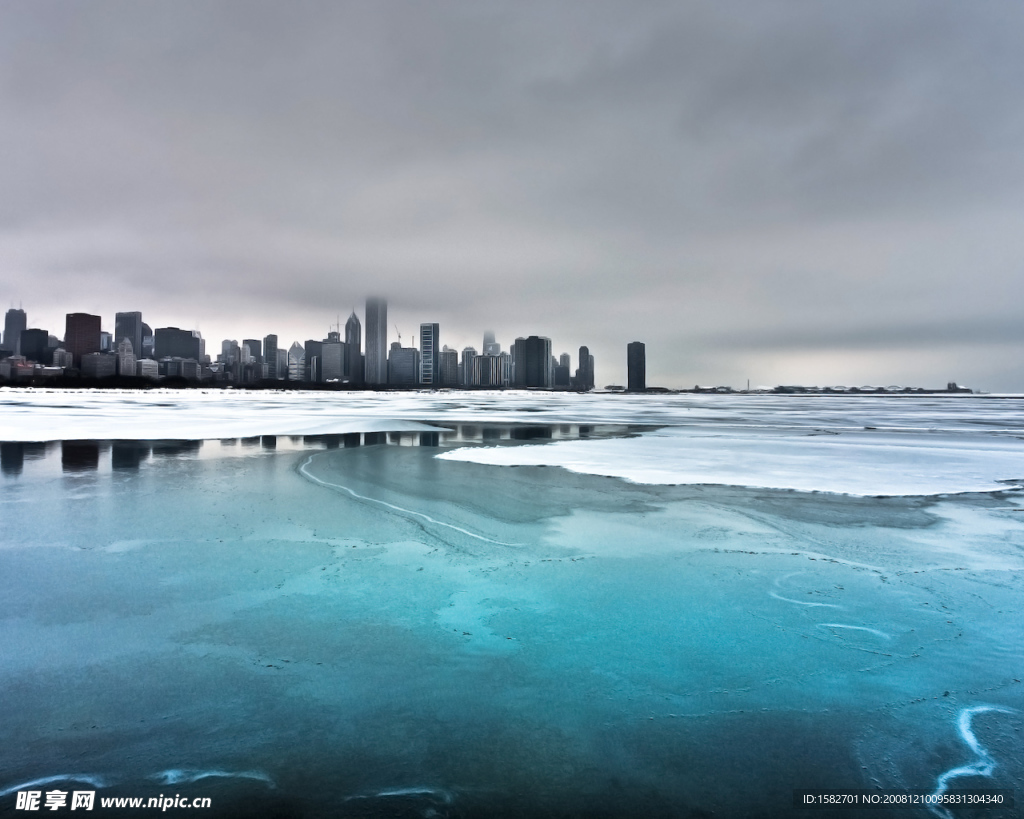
(135,350)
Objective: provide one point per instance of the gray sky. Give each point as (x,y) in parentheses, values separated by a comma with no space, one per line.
(791,192)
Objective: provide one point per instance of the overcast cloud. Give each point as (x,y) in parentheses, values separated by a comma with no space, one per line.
(790,192)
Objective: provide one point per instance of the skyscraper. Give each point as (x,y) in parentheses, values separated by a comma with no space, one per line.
(34,345)
(376,341)
(296,362)
(403,365)
(81,335)
(126,357)
(449,372)
(430,354)
(255,349)
(468,369)
(270,356)
(129,326)
(14,322)
(585,372)
(491,347)
(353,350)
(533,362)
(636,363)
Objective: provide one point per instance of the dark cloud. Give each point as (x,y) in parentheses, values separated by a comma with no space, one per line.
(743,185)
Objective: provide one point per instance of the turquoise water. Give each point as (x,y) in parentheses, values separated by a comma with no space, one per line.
(348,626)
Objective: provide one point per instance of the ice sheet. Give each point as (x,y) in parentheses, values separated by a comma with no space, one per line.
(852,462)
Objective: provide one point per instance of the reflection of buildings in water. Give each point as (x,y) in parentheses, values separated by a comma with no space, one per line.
(429,439)
(128,454)
(252,440)
(269,441)
(531,433)
(176,449)
(351,439)
(374,438)
(12,457)
(585,431)
(79,456)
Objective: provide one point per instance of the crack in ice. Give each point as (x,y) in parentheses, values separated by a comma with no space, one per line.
(175,776)
(983,765)
(95,781)
(305,472)
(856,628)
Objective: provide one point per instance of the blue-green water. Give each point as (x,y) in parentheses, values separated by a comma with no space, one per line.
(299,628)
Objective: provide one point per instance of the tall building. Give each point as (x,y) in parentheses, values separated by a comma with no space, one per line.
(81,335)
(353,350)
(332,359)
(255,349)
(636,363)
(491,347)
(125,357)
(403,365)
(296,362)
(565,361)
(468,369)
(172,342)
(585,372)
(430,354)
(35,346)
(313,356)
(14,323)
(449,372)
(533,362)
(270,356)
(147,341)
(376,341)
(129,326)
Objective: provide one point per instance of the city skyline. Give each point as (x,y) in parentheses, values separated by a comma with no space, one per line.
(823,194)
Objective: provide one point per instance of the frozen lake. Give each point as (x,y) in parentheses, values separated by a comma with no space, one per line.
(524,604)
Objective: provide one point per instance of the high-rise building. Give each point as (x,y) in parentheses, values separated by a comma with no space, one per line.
(533,362)
(129,326)
(636,363)
(565,361)
(449,372)
(35,346)
(430,354)
(81,335)
(147,341)
(585,372)
(403,365)
(106,342)
(255,349)
(332,359)
(99,365)
(14,322)
(353,350)
(270,355)
(491,347)
(296,362)
(468,370)
(313,356)
(125,357)
(172,342)
(376,341)
(282,365)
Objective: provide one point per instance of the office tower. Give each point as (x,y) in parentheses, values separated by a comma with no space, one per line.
(491,347)
(533,362)
(312,353)
(585,372)
(270,356)
(562,378)
(376,341)
(147,341)
(468,356)
(62,358)
(81,335)
(449,368)
(636,362)
(106,342)
(129,326)
(564,361)
(296,362)
(172,342)
(14,323)
(34,346)
(430,354)
(125,357)
(353,350)
(282,365)
(403,365)
(332,359)
(255,349)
